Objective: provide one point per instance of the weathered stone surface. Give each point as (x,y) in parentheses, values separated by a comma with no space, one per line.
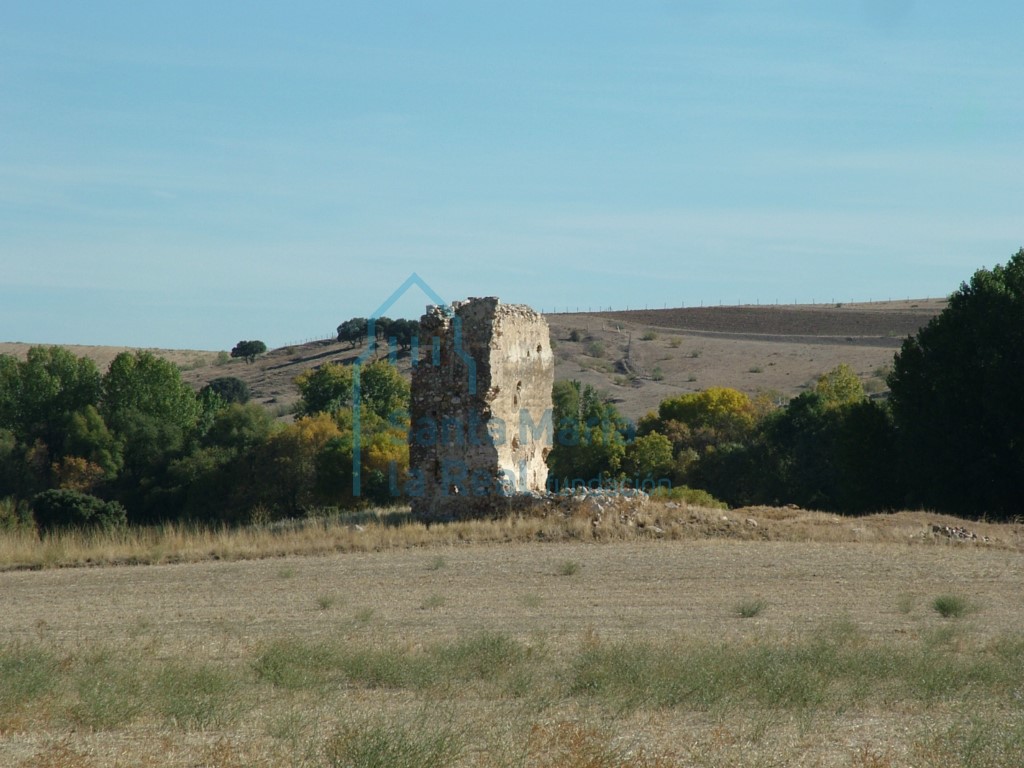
(481,409)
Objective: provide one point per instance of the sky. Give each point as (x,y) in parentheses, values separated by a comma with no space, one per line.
(190,174)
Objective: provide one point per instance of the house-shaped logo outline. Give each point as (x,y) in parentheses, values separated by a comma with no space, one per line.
(371,336)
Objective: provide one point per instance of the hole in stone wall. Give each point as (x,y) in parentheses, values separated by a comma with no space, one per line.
(515,443)
(539,349)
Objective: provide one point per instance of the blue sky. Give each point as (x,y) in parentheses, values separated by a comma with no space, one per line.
(190,174)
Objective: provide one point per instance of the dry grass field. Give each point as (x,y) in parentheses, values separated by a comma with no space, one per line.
(692,640)
(676,636)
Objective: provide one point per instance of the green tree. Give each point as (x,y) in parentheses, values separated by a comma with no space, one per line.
(89,438)
(10,391)
(239,428)
(249,350)
(840,386)
(403,331)
(648,457)
(286,465)
(589,436)
(40,393)
(382,389)
(148,406)
(956,398)
(353,331)
(230,389)
(326,389)
(224,479)
(728,412)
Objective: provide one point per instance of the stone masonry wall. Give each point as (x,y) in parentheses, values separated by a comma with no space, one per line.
(481,409)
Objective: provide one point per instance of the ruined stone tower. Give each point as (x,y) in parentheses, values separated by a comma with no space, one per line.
(481,409)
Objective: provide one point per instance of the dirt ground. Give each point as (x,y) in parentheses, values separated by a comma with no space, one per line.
(224,614)
(651,589)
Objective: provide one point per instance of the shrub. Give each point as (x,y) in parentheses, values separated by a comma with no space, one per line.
(568,568)
(693,496)
(574,335)
(27,673)
(230,388)
(950,606)
(195,697)
(14,515)
(595,349)
(649,336)
(748,609)
(63,508)
(395,745)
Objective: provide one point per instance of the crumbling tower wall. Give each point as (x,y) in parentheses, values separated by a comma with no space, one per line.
(481,408)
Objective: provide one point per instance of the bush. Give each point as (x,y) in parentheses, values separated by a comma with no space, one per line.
(14,515)
(395,744)
(63,508)
(950,606)
(748,609)
(649,336)
(230,389)
(568,568)
(693,496)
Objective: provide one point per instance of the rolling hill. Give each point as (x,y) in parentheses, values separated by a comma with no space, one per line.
(636,357)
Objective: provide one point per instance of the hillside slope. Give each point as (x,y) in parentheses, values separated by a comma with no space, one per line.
(636,357)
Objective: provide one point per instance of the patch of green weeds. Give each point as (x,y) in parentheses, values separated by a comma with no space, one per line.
(748,609)
(421,743)
(26,675)
(432,601)
(196,696)
(951,606)
(326,602)
(568,568)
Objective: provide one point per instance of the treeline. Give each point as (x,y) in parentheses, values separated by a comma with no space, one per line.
(831,448)
(135,444)
(949,438)
(354,330)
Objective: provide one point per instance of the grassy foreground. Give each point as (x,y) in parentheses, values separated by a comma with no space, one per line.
(801,641)
(492,700)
